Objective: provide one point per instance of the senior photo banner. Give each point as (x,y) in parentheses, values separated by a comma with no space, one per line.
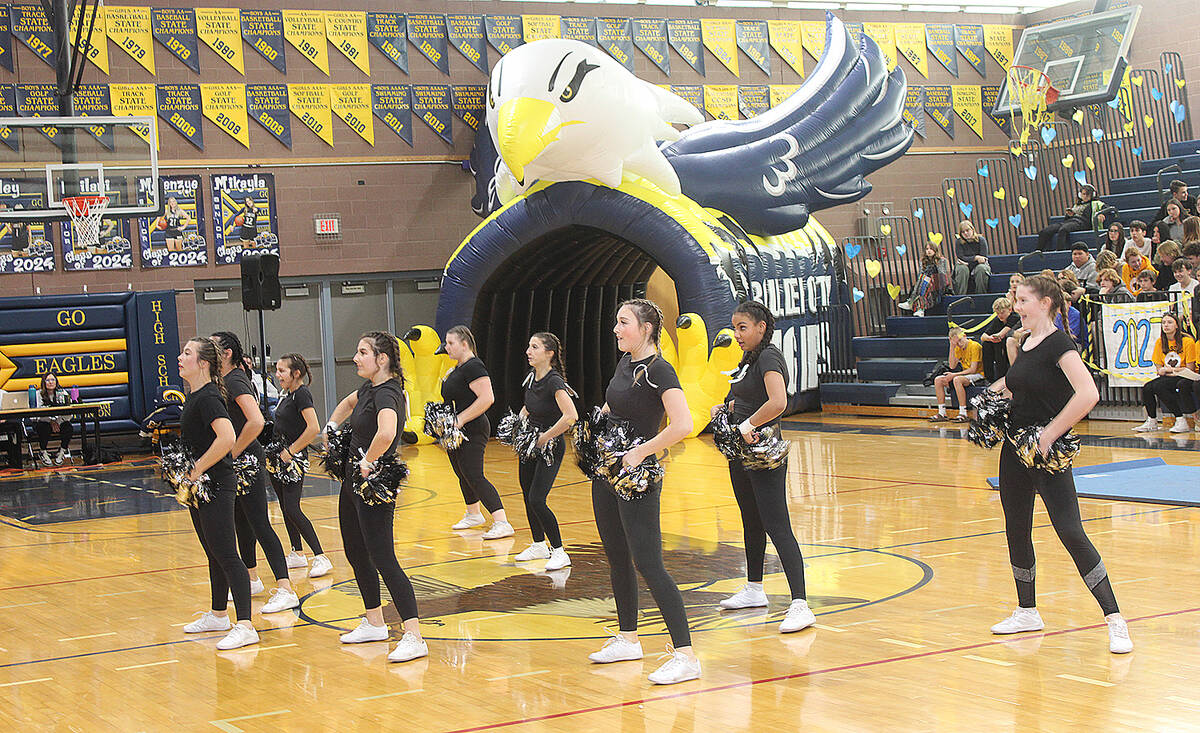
(190,248)
(235,233)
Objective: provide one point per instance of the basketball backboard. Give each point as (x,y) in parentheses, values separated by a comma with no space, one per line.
(1085,57)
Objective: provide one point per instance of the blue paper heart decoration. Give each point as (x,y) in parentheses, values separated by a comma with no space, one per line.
(1015,220)
(858,295)
(852,250)
(1048,135)
(901,249)
(919,213)
(1155,93)
(1053,180)
(965,208)
(1114,102)
(1081,178)
(1031,171)
(993,223)
(1137,151)
(1097,134)
(983,171)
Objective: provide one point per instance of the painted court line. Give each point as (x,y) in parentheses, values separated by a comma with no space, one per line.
(120,593)
(257,648)
(910,529)
(225,723)
(23,605)
(856,567)
(26,682)
(946,554)
(514,676)
(148,664)
(89,636)
(988,660)
(1085,680)
(898,642)
(389,694)
(1184,700)
(953,608)
(977,521)
(834,629)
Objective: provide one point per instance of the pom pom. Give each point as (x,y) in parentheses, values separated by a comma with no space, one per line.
(601,441)
(990,424)
(1060,456)
(176,464)
(440,424)
(291,472)
(523,437)
(337,452)
(246,466)
(770,450)
(382,484)
(507,428)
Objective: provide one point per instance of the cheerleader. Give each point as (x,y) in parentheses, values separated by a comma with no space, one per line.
(252,519)
(642,389)
(468,388)
(757,397)
(548,406)
(208,434)
(1050,386)
(295,426)
(376,420)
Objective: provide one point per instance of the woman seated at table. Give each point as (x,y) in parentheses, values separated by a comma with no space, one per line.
(51,395)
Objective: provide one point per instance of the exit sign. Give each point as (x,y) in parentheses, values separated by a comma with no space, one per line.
(327,227)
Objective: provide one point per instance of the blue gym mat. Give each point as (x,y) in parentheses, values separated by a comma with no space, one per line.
(1150,480)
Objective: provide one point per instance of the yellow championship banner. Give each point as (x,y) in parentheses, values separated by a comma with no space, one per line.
(786,40)
(347,31)
(780,92)
(305,30)
(720,38)
(884,35)
(968,105)
(225,106)
(352,102)
(98,51)
(134,100)
(310,103)
(129,28)
(910,41)
(721,101)
(221,30)
(537,27)
(997,39)
(812,35)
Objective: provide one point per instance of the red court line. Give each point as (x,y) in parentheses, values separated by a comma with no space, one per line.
(795,676)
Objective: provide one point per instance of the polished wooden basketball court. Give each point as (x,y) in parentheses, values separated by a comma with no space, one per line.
(906,570)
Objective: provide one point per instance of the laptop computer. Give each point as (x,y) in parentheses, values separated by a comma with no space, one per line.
(14,400)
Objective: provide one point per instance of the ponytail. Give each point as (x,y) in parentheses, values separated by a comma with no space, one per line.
(208,352)
(227,340)
(647,311)
(759,313)
(296,363)
(385,343)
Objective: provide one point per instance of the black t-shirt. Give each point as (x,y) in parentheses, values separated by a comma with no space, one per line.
(539,399)
(364,421)
(237,383)
(20,236)
(748,386)
(996,325)
(289,417)
(456,390)
(195,426)
(174,221)
(1039,387)
(635,392)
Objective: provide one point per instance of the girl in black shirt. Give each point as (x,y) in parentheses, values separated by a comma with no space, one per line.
(208,435)
(175,220)
(757,397)
(548,405)
(1050,386)
(642,389)
(376,413)
(248,229)
(469,389)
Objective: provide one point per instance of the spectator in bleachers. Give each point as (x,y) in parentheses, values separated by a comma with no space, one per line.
(1106,260)
(1074,325)
(1166,255)
(1088,214)
(1072,289)
(970,260)
(1134,264)
(1173,351)
(935,278)
(1145,292)
(966,367)
(1192,253)
(1113,239)
(1014,280)
(1112,287)
(995,335)
(1138,238)
(1173,222)
(1083,267)
(1178,194)
(1185,285)
(1159,233)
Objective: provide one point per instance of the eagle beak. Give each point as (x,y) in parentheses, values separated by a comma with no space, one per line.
(524,127)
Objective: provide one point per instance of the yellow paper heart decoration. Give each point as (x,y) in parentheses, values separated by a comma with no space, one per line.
(1014,148)
(1179,83)
(1022,201)
(998,193)
(1069,160)
(1078,116)
(1128,126)
(1136,80)
(936,238)
(1148,120)
(886,229)
(1091,164)
(873,268)
(950,192)
(893,291)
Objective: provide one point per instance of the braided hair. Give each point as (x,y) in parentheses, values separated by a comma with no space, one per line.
(647,311)
(758,313)
(550,342)
(297,363)
(208,352)
(228,340)
(385,343)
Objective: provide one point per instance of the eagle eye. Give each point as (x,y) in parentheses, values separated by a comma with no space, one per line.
(572,87)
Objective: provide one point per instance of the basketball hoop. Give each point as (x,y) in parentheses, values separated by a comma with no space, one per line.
(1033,92)
(86,212)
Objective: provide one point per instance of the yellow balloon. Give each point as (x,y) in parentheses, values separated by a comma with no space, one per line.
(423,372)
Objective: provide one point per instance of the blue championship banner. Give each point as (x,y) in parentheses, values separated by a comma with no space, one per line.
(684,36)
(6,47)
(578,29)
(614,36)
(939,105)
(431,102)
(29,24)
(263,30)
(504,32)
(189,248)
(392,105)
(39,100)
(268,106)
(427,31)
(245,220)
(8,108)
(175,29)
(388,32)
(914,109)
(752,39)
(968,39)
(693,93)
(753,99)
(469,100)
(939,37)
(179,106)
(467,35)
(991,92)
(24,247)
(93,100)
(650,35)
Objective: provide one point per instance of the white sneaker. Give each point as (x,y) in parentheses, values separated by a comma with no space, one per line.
(617,649)
(281,600)
(1180,426)
(919,313)
(208,621)
(499,530)
(364,633)
(905,306)
(256,587)
(1149,426)
(1118,635)
(799,616)
(748,597)
(60,457)
(469,521)
(536,551)
(46,460)
(409,647)
(679,668)
(559,559)
(238,637)
(321,566)
(1022,619)
(296,560)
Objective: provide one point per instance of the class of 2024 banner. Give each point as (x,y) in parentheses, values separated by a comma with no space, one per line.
(230,192)
(1130,330)
(112,250)
(190,249)
(23,248)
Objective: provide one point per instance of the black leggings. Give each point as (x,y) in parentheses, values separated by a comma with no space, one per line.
(762,499)
(467,462)
(214,526)
(536,481)
(298,526)
(632,537)
(1018,485)
(370,549)
(1175,393)
(65,431)
(252,522)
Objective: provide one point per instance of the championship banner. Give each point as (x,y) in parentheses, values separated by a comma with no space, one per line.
(720,39)
(650,36)
(268,105)
(129,28)
(8,108)
(721,101)
(910,42)
(6,47)
(221,30)
(693,93)
(225,106)
(97,51)
(388,32)
(29,24)
(998,40)
(753,99)
(1130,330)
(310,103)
(812,36)
(968,105)
(684,35)
(234,232)
(990,94)
(305,30)
(884,35)
(469,103)
(135,100)
(184,250)
(347,31)
(467,35)
(780,92)
(392,105)
(615,36)
(263,30)
(751,37)
(113,250)
(352,103)
(503,32)
(23,247)
(968,39)
(856,33)
(175,29)
(939,38)
(578,29)
(537,27)
(179,106)
(914,109)
(39,100)
(939,105)
(786,39)
(427,31)
(92,100)
(431,102)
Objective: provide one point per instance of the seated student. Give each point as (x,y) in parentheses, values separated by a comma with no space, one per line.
(1192,253)
(970,260)
(1138,238)
(1113,239)
(1112,288)
(1088,214)
(1178,194)
(1014,280)
(51,394)
(1185,286)
(1173,222)
(1159,233)
(1106,261)
(1167,253)
(1083,267)
(935,278)
(1072,289)
(1135,263)
(1146,292)
(966,367)
(995,334)
(1173,351)
(10,439)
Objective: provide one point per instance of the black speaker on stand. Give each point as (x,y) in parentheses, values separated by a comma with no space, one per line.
(261,292)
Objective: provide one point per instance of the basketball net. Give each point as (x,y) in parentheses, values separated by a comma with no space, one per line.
(86,212)
(1033,92)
